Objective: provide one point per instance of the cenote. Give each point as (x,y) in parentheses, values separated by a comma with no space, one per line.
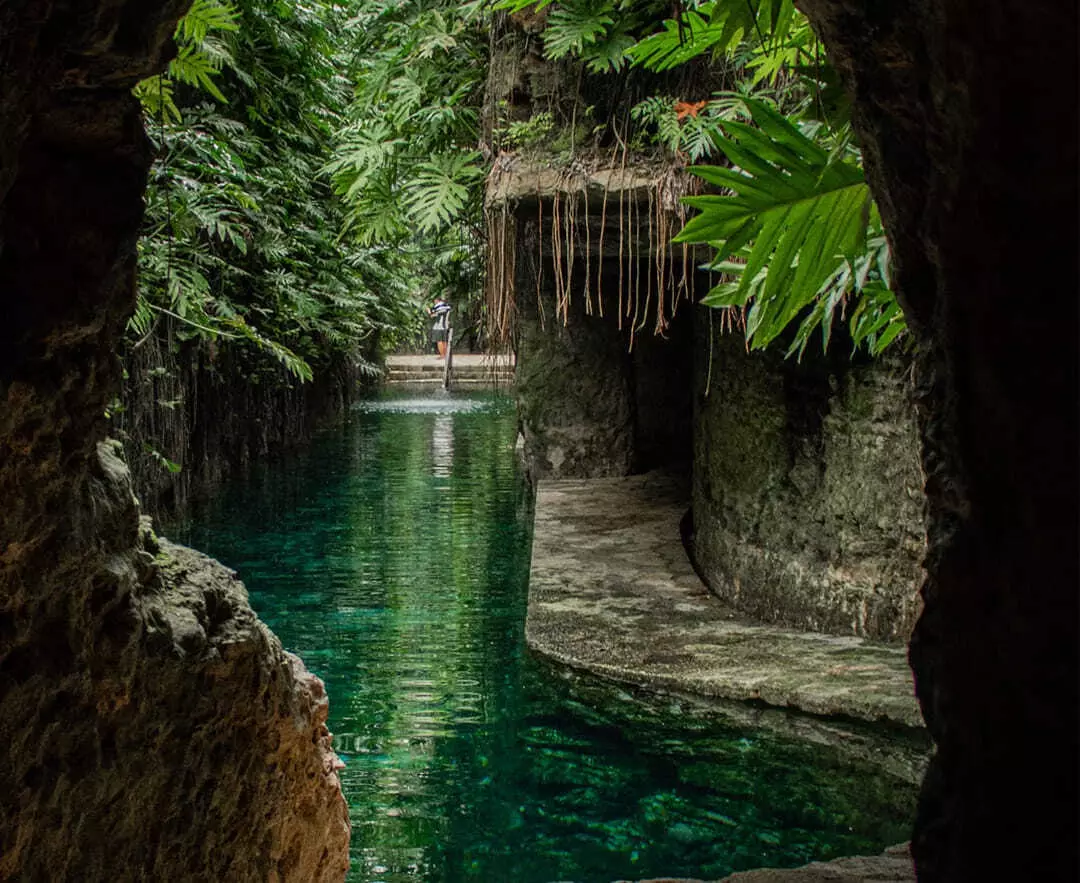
(392,556)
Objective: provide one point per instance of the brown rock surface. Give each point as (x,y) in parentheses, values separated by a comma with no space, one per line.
(967,114)
(150,727)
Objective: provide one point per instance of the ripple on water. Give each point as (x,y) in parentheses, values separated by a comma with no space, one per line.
(441,402)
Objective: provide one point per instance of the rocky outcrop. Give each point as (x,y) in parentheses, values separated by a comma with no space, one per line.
(151,729)
(176,740)
(593,400)
(807,488)
(575,395)
(967,113)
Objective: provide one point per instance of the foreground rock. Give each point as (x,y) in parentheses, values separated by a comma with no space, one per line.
(611,591)
(167,735)
(150,727)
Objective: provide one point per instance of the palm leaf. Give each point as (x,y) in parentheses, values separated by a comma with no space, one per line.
(439,190)
(797,216)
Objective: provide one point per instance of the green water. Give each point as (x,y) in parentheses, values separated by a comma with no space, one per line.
(393,558)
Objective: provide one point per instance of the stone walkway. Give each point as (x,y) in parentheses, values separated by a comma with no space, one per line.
(470,371)
(461,360)
(612,592)
(893,866)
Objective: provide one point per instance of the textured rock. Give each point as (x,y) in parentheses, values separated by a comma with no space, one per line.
(151,729)
(807,488)
(967,113)
(574,389)
(594,401)
(164,733)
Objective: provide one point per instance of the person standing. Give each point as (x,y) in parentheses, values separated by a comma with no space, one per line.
(440,311)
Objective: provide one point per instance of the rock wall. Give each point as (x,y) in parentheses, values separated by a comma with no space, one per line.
(807,500)
(213,414)
(967,114)
(151,729)
(573,388)
(589,405)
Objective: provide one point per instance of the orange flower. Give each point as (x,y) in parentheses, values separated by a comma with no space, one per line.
(685,109)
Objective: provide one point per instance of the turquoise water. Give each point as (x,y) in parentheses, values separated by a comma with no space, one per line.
(392,556)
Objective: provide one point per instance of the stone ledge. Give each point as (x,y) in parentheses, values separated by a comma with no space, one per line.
(516,180)
(893,866)
(612,592)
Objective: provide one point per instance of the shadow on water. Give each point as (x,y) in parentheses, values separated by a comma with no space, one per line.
(393,557)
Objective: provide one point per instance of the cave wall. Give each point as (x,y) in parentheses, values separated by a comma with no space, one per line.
(967,113)
(151,727)
(807,490)
(591,403)
(213,412)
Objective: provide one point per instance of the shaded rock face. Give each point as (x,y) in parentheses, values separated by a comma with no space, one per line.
(590,406)
(968,116)
(151,728)
(179,741)
(808,494)
(225,411)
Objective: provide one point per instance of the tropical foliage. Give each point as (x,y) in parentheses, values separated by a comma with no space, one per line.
(405,164)
(319,172)
(241,244)
(798,238)
(799,233)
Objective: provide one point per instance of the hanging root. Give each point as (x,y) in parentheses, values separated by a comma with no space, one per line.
(672,274)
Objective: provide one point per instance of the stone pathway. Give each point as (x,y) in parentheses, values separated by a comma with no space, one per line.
(469,371)
(611,591)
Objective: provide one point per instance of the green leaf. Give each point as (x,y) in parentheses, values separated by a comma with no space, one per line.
(799,214)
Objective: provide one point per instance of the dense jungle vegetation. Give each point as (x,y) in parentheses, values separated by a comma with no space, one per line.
(321,167)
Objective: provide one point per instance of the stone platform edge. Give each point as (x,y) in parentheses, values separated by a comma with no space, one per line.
(612,593)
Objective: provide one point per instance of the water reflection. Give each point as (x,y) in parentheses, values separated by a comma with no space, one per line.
(393,558)
(442,446)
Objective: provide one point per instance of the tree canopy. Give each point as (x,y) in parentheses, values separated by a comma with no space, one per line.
(321,167)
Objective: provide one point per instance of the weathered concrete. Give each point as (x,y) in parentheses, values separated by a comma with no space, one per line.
(893,866)
(611,591)
(808,494)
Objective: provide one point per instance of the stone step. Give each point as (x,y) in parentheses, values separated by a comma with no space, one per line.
(455,379)
(457,369)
